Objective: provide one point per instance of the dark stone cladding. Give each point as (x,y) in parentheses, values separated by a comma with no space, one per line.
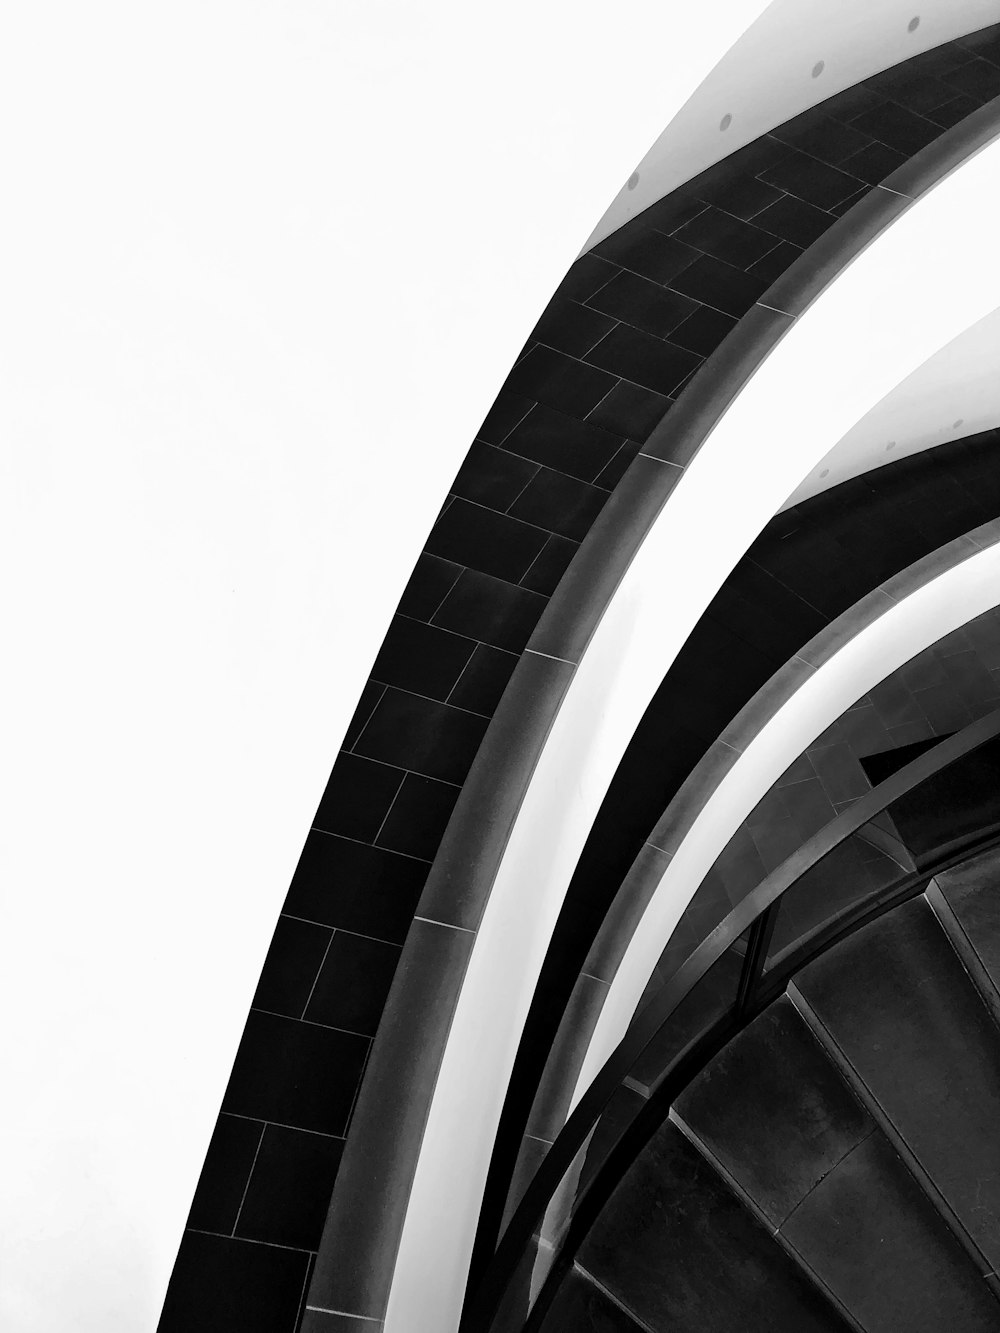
(625,330)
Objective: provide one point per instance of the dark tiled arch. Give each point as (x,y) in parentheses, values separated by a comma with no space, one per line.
(570,420)
(397,1090)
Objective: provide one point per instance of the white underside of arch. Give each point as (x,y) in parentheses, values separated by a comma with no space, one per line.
(954,394)
(901,300)
(767,77)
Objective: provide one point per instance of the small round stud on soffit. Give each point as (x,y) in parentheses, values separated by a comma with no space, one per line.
(913,24)
(824,473)
(633,180)
(960,422)
(725,122)
(818,68)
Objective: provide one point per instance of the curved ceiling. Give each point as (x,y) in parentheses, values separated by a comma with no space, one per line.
(797,53)
(955,393)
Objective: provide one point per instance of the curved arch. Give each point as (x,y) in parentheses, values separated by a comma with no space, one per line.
(900,618)
(561,717)
(614,681)
(544,1221)
(729,761)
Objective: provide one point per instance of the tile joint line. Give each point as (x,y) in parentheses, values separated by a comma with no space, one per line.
(654,458)
(535,653)
(448,926)
(322,1309)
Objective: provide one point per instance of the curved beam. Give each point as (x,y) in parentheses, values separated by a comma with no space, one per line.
(557,1194)
(544,1221)
(905,615)
(499,880)
(729,760)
